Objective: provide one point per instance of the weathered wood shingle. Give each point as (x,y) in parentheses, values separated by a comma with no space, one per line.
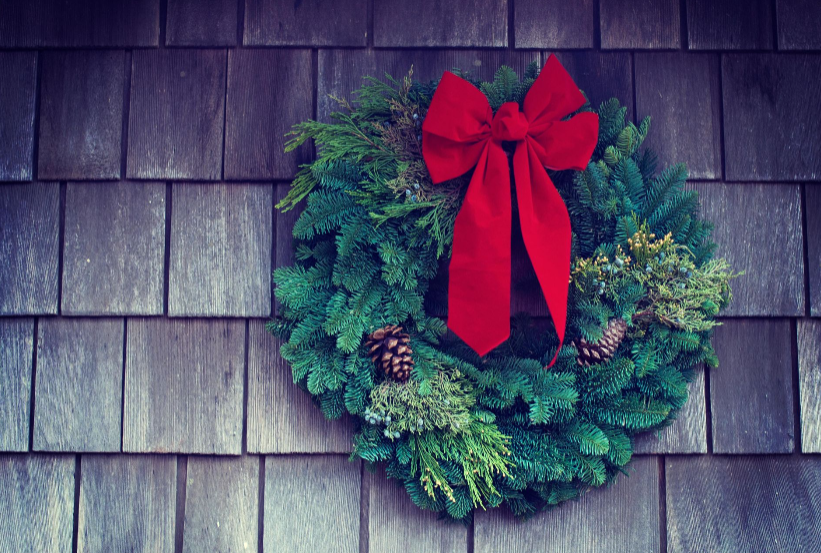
(16,354)
(269,91)
(37,502)
(758,230)
(751,395)
(640,24)
(730,24)
(809,384)
(201,23)
(798,22)
(624,517)
(688,433)
(29,235)
(601,76)
(306,23)
(281,417)
(444,24)
(183,386)
(554,24)
(813,213)
(175,126)
(114,248)
(311,504)
(127,502)
(18,91)
(731,504)
(221,504)
(772,119)
(396,525)
(681,93)
(220,250)
(78,392)
(81,114)
(73,23)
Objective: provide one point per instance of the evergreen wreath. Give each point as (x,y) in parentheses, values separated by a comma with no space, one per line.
(460,431)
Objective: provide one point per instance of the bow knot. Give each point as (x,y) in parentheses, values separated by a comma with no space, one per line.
(460,133)
(509,124)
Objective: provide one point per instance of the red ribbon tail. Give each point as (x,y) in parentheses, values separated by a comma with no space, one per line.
(546,231)
(479,287)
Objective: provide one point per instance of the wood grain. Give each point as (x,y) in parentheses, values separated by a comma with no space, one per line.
(201,23)
(281,417)
(443,24)
(269,91)
(751,396)
(640,24)
(809,384)
(16,354)
(554,24)
(342,71)
(73,23)
(37,502)
(396,525)
(183,386)
(78,392)
(798,22)
(681,93)
(732,504)
(729,24)
(220,250)
(127,503)
(81,114)
(114,248)
(772,123)
(601,76)
(758,230)
(311,504)
(622,518)
(175,125)
(688,434)
(812,197)
(221,504)
(306,23)
(18,91)
(29,235)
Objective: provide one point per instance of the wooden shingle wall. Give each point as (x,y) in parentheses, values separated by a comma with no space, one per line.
(143,407)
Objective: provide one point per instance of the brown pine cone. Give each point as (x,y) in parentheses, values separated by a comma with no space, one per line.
(389,348)
(602,350)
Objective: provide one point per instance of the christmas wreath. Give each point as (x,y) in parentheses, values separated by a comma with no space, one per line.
(497,411)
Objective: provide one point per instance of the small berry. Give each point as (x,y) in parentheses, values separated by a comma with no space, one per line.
(619,263)
(601,291)
(388,419)
(414,198)
(387,433)
(648,269)
(416,186)
(682,270)
(681,285)
(689,274)
(661,255)
(396,434)
(415,116)
(408,192)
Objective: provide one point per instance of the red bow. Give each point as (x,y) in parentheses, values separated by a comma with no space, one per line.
(461,132)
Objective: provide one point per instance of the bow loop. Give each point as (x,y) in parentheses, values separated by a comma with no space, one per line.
(460,132)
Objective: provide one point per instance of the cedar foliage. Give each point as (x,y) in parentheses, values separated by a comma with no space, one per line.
(466,432)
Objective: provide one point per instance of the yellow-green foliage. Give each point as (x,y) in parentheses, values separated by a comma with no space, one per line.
(442,403)
(481,452)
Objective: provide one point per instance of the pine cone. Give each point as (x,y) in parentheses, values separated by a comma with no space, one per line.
(389,349)
(602,350)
